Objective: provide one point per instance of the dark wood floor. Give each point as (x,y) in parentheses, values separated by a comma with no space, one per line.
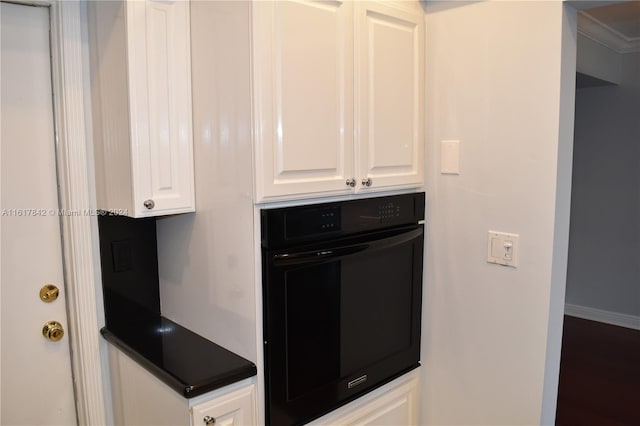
(599,375)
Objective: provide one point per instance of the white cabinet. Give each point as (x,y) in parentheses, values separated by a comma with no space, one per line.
(395,403)
(140,398)
(141,95)
(338,97)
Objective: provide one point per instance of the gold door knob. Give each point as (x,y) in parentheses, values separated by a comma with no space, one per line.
(53,331)
(49,293)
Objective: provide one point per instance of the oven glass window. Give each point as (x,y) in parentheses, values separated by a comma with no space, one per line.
(346,314)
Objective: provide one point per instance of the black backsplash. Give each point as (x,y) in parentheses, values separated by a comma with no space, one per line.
(128,256)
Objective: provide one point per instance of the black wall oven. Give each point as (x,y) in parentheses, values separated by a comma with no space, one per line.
(342,290)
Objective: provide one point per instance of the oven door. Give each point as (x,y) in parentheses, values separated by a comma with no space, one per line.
(341,318)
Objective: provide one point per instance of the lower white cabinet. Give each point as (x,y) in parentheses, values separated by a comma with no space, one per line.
(395,403)
(140,398)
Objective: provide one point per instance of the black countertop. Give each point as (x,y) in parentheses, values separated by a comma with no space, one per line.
(185,361)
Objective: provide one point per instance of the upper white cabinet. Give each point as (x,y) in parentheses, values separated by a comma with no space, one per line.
(338,97)
(141,95)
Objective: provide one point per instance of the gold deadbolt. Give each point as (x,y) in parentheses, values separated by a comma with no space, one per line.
(49,293)
(53,331)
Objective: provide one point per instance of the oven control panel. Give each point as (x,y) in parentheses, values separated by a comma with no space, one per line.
(287,225)
(388,211)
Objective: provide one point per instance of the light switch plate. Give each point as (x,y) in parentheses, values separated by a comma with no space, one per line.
(503,248)
(450,157)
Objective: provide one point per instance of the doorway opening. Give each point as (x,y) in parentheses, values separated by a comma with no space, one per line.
(601,338)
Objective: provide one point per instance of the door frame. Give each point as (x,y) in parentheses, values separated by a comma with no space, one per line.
(77,194)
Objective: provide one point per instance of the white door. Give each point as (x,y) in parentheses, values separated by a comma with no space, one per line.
(35,372)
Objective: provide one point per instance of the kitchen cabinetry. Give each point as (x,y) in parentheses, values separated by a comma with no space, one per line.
(141,95)
(395,403)
(243,72)
(338,97)
(139,398)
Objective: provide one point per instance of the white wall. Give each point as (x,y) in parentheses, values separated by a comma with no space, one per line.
(206,259)
(497,81)
(604,271)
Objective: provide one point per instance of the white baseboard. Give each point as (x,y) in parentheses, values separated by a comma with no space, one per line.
(593,314)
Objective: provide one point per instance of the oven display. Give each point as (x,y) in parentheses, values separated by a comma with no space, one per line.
(313,221)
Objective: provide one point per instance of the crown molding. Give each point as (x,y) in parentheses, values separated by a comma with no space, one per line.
(600,32)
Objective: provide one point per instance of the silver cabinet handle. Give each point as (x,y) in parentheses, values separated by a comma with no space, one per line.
(351,182)
(149,204)
(367,182)
(208,420)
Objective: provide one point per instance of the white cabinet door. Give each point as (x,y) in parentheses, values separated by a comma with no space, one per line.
(141,81)
(160,94)
(303,98)
(390,105)
(233,409)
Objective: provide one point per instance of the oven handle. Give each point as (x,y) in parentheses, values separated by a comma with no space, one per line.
(316,256)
